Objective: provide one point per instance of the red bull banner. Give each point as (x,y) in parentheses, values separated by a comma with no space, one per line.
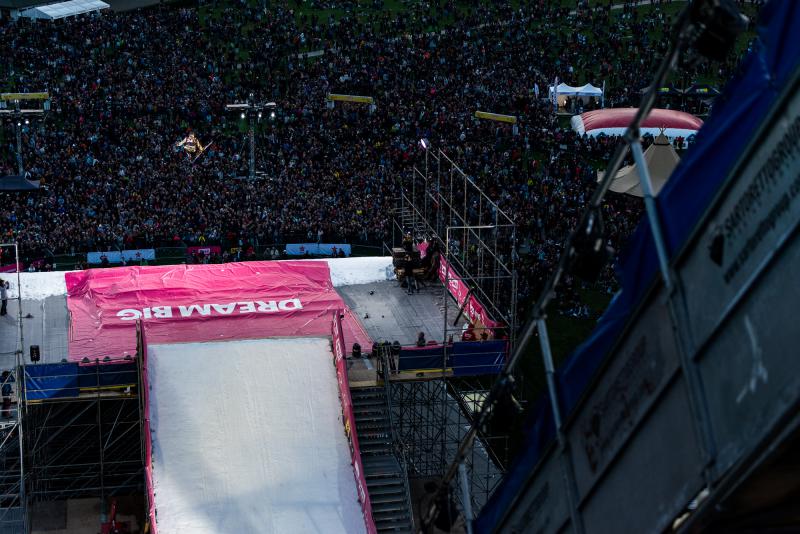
(459,290)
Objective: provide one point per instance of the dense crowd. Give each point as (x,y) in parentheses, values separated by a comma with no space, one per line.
(127,87)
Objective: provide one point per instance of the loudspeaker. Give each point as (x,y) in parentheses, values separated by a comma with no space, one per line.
(34,352)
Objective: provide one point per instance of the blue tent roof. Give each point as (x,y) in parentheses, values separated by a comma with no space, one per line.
(736,116)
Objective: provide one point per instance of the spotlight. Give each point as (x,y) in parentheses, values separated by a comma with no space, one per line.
(272,115)
(719,23)
(588,252)
(19,124)
(27,121)
(259,114)
(242,115)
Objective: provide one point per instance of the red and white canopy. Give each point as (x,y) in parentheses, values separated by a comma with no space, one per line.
(614,121)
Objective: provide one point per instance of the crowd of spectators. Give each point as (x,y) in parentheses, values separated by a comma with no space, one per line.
(126,87)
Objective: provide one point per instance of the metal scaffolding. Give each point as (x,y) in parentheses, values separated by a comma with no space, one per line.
(476,242)
(88,446)
(81,433)
(432,414)
(13,498)
(441,204)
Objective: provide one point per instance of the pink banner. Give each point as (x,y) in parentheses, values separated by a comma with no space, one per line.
(212,249)
(350,422)
(474,309)
(12,268)
(195,303)
(148,441)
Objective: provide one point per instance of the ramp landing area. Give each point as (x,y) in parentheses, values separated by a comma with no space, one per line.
(248,438)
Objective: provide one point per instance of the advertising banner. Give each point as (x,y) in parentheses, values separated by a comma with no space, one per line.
(12,268)
(317,249)
(459,290)
(205,250)
(195,303)
(116,256)
(350,422)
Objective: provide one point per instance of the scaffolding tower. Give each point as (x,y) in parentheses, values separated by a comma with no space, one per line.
(441,205)
(13,498)
(81,435)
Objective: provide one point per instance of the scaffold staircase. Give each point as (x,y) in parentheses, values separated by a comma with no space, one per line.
(387,480)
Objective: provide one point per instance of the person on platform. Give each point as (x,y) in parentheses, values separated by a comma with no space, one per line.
(408,273)
(469,333)
(421,339)
(3,296)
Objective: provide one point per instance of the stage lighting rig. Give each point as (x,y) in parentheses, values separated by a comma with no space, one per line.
(253,111)
(11,107)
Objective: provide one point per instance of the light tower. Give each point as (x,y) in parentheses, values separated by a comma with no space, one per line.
(20,115)
(252,111)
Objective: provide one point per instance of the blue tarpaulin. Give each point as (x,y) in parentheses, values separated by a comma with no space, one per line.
(465,358)
(107,375)
(412,358)
(470,358)
(60,380)
(736,116)
(51,381)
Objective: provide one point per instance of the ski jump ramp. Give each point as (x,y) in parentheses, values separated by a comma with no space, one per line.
(247,438)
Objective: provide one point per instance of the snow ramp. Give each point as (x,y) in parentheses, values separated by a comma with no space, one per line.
(247,438)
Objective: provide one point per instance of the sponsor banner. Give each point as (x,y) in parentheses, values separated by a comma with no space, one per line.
(12,268)
(459,290)
(358,99)
(317,249)
(116,256)
(350,422)
(205,250)
(195,303)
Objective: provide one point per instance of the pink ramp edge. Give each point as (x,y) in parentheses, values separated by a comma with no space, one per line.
(350,422)
(195,303)
(148,441)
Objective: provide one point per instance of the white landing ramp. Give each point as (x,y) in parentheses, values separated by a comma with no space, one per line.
(248,438)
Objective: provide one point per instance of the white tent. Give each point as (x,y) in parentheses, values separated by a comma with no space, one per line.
(563,91)
(63,10)
(661,160)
